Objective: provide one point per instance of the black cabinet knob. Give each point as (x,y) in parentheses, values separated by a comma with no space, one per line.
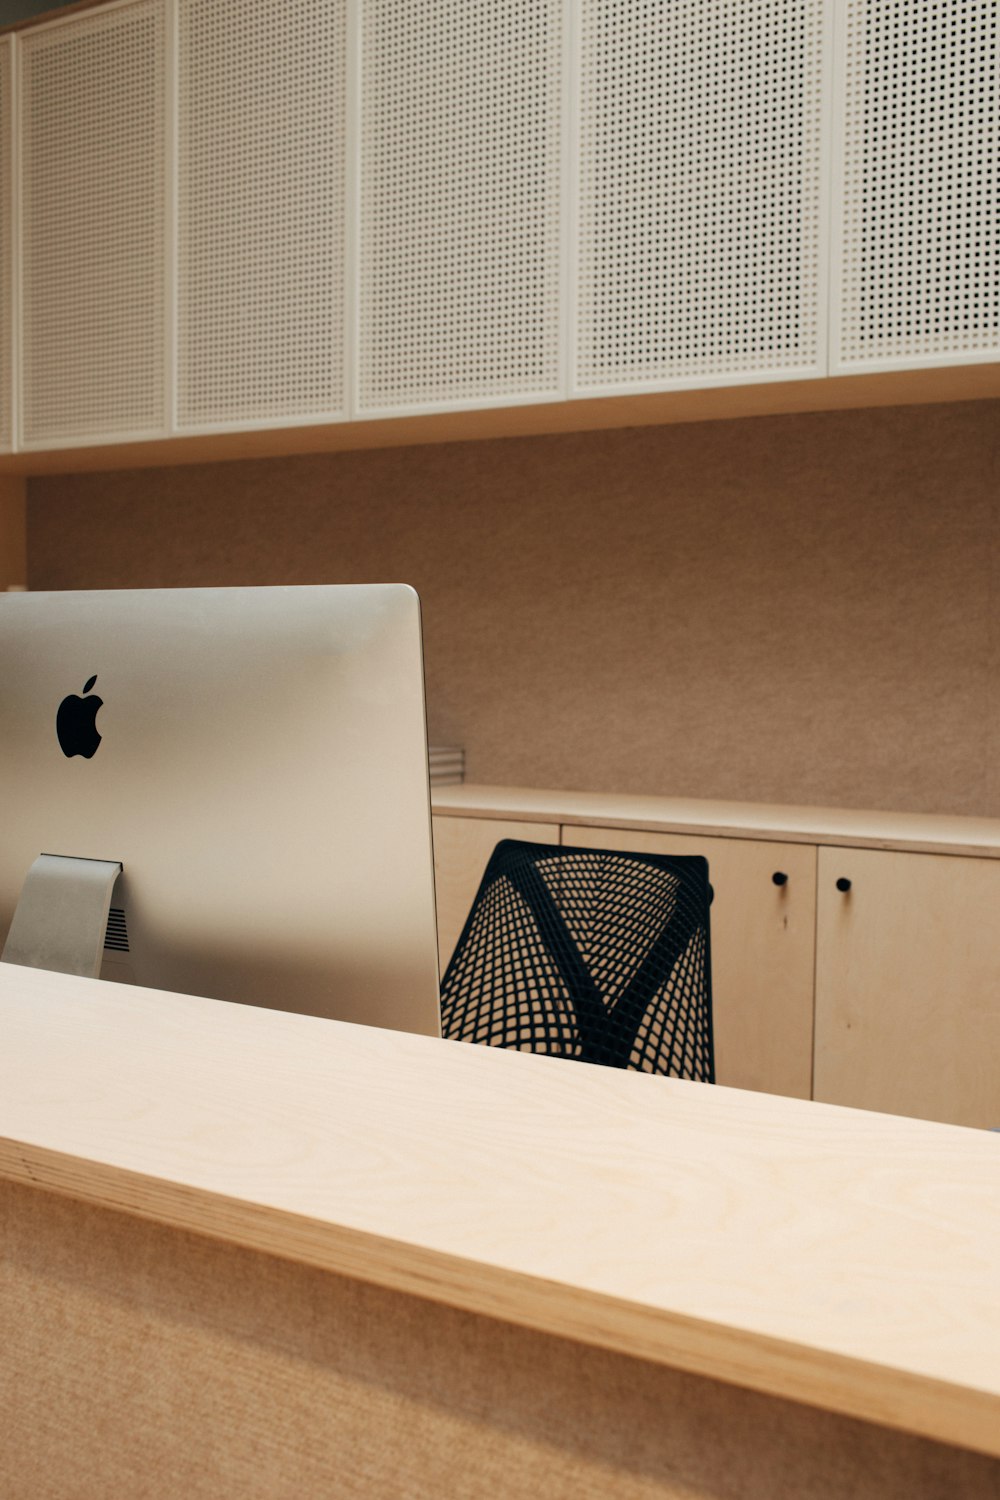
(843,884)
(779,877)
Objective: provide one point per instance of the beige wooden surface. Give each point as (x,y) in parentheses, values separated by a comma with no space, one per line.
(461,852)
(908,985)
(842,1259)
(140,1360)
(763,952)
(921,832)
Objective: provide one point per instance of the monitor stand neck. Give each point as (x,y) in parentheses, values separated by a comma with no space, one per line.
(62,916)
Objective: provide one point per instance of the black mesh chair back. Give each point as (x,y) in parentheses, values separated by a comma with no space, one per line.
(591,954)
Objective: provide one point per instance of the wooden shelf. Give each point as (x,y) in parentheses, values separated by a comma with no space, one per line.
(897,388)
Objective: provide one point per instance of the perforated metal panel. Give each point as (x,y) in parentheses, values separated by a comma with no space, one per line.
(261,210)
(701,230)
(92,97)
(6,243)
(918,183)
(460,202)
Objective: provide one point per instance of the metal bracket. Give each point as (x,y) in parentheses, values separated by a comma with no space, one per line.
(62,915)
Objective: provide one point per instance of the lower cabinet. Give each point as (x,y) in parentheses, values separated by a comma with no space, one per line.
(462,847)
(908,984)
(762,951)
(881,992)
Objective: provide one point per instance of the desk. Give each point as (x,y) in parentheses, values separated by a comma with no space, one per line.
(255,1253)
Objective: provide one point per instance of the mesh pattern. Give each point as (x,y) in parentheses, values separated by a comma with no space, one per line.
(919,247)
(261,209)
(460,201)
(589,954)
(6,246)
(700,205)
(92,114)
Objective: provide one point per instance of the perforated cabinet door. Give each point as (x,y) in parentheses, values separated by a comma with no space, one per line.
(93,201)
(702,220)
(917,184)
(261,211)
(460,203)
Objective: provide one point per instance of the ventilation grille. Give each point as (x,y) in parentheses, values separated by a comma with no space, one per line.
(919,243)
(6,243)
(116,936)
(460,201)
(261,210)
(92,122)
(700,233)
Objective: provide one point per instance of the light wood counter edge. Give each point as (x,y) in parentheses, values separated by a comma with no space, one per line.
(888,1397)
(918,833)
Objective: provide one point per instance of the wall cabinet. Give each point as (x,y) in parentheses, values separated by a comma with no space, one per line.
(908,984)
(261,212)
(94,211)
(916,268)
(702,225)
(234,217)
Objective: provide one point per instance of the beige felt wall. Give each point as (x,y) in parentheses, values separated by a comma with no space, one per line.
(791,608)
(143,1361)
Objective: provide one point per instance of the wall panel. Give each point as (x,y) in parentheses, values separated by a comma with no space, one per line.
(788,609)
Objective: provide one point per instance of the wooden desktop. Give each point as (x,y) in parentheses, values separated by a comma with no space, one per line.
(256,1253)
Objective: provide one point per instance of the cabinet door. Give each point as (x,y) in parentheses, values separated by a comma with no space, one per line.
(916,254)
(94,193)
(702,212)
(908,985)
(762,951)
(462,847)
(460,226)
(261,211)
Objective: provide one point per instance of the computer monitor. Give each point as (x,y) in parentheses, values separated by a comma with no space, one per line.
(261,775)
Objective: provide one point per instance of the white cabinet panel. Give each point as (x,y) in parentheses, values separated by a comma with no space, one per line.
(93,201)
(702,225)
(6,244)
(917,184)
(261,210)
(908,985)
(460,203)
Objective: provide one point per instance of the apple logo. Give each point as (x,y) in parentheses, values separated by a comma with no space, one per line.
(75,727)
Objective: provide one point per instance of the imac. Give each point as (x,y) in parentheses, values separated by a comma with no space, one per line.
(255,760)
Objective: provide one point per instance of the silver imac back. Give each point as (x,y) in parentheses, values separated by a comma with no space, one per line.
(261,774)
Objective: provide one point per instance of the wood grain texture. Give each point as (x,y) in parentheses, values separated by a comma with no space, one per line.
(788,609)
(908,985)
(763,952)
(839,1258)
(145,1361)
(848,828)
(461,854)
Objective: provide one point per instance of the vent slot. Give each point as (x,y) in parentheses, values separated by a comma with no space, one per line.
(116,936)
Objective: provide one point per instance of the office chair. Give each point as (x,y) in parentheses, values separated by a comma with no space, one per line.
(591,954)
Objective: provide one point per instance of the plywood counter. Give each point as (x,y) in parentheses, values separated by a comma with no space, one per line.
(259,1253)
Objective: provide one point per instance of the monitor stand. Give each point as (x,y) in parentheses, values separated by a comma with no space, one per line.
(62,916)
